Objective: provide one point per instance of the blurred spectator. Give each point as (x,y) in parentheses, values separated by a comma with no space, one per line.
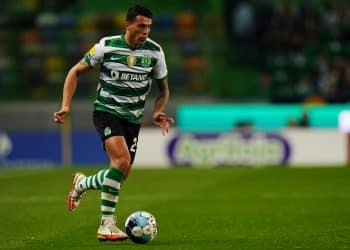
(328,76)
(345,36)
(323,73)
(264,83)
(304,86)
(303,121)
(243,21)
(245,127)
(305,43)
(281,26)
(292,122)
(263,16)
(343,86)
(330,15)
(309,17)
(242,26)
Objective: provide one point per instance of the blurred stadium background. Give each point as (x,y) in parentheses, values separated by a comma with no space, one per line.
(254,65)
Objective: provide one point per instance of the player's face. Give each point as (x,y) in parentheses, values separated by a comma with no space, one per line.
(138,30)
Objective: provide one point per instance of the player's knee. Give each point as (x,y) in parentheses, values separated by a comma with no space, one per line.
(123,164)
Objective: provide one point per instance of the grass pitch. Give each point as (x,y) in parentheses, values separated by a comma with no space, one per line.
(221,208)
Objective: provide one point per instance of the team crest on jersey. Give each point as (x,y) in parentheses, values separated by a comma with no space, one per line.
(146,61)
(131,60)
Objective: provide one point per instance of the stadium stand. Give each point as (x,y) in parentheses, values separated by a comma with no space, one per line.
(40,41)
(292,51)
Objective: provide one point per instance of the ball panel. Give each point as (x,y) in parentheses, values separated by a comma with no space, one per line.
(141,227)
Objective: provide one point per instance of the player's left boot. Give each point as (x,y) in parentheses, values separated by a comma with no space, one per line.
(109,231)
(76,192)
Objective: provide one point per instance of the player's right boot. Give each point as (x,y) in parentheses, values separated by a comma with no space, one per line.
(76,193)
(109,231)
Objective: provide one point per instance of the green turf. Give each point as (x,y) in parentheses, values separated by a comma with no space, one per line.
(222,208)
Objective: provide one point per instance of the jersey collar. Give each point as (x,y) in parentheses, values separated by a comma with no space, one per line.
(127,45)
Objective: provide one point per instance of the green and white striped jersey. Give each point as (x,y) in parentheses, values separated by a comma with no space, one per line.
(125,75)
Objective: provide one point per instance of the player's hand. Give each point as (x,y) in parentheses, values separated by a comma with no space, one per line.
(58,116)
(163,121)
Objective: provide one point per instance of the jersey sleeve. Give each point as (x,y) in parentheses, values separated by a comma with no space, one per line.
(160,70)
(94,55)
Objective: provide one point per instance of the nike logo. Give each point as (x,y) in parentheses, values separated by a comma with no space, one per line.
(113,191)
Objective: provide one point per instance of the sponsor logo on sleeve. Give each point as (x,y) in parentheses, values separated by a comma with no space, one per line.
(92,51)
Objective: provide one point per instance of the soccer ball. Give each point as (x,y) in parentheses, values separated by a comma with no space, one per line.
(141,227)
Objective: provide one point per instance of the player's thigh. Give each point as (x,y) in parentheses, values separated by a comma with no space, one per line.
(117,148)
(112,133)
(126,133)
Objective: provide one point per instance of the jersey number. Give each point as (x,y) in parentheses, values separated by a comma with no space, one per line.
(134,145)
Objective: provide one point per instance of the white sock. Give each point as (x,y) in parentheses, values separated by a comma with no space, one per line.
(107,219)
(81,185)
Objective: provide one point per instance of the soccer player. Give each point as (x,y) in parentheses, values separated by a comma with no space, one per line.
(128,64)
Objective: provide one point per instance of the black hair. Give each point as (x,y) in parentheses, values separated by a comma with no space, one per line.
(137,10)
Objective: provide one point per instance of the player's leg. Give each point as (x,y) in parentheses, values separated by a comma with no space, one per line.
(121,151)
(107,125)
(81,184)
(120,163)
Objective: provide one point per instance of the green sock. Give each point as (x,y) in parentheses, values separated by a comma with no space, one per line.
(95,181)
(110,191)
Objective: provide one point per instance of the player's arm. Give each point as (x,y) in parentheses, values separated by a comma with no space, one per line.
(69,88)
(159,116)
